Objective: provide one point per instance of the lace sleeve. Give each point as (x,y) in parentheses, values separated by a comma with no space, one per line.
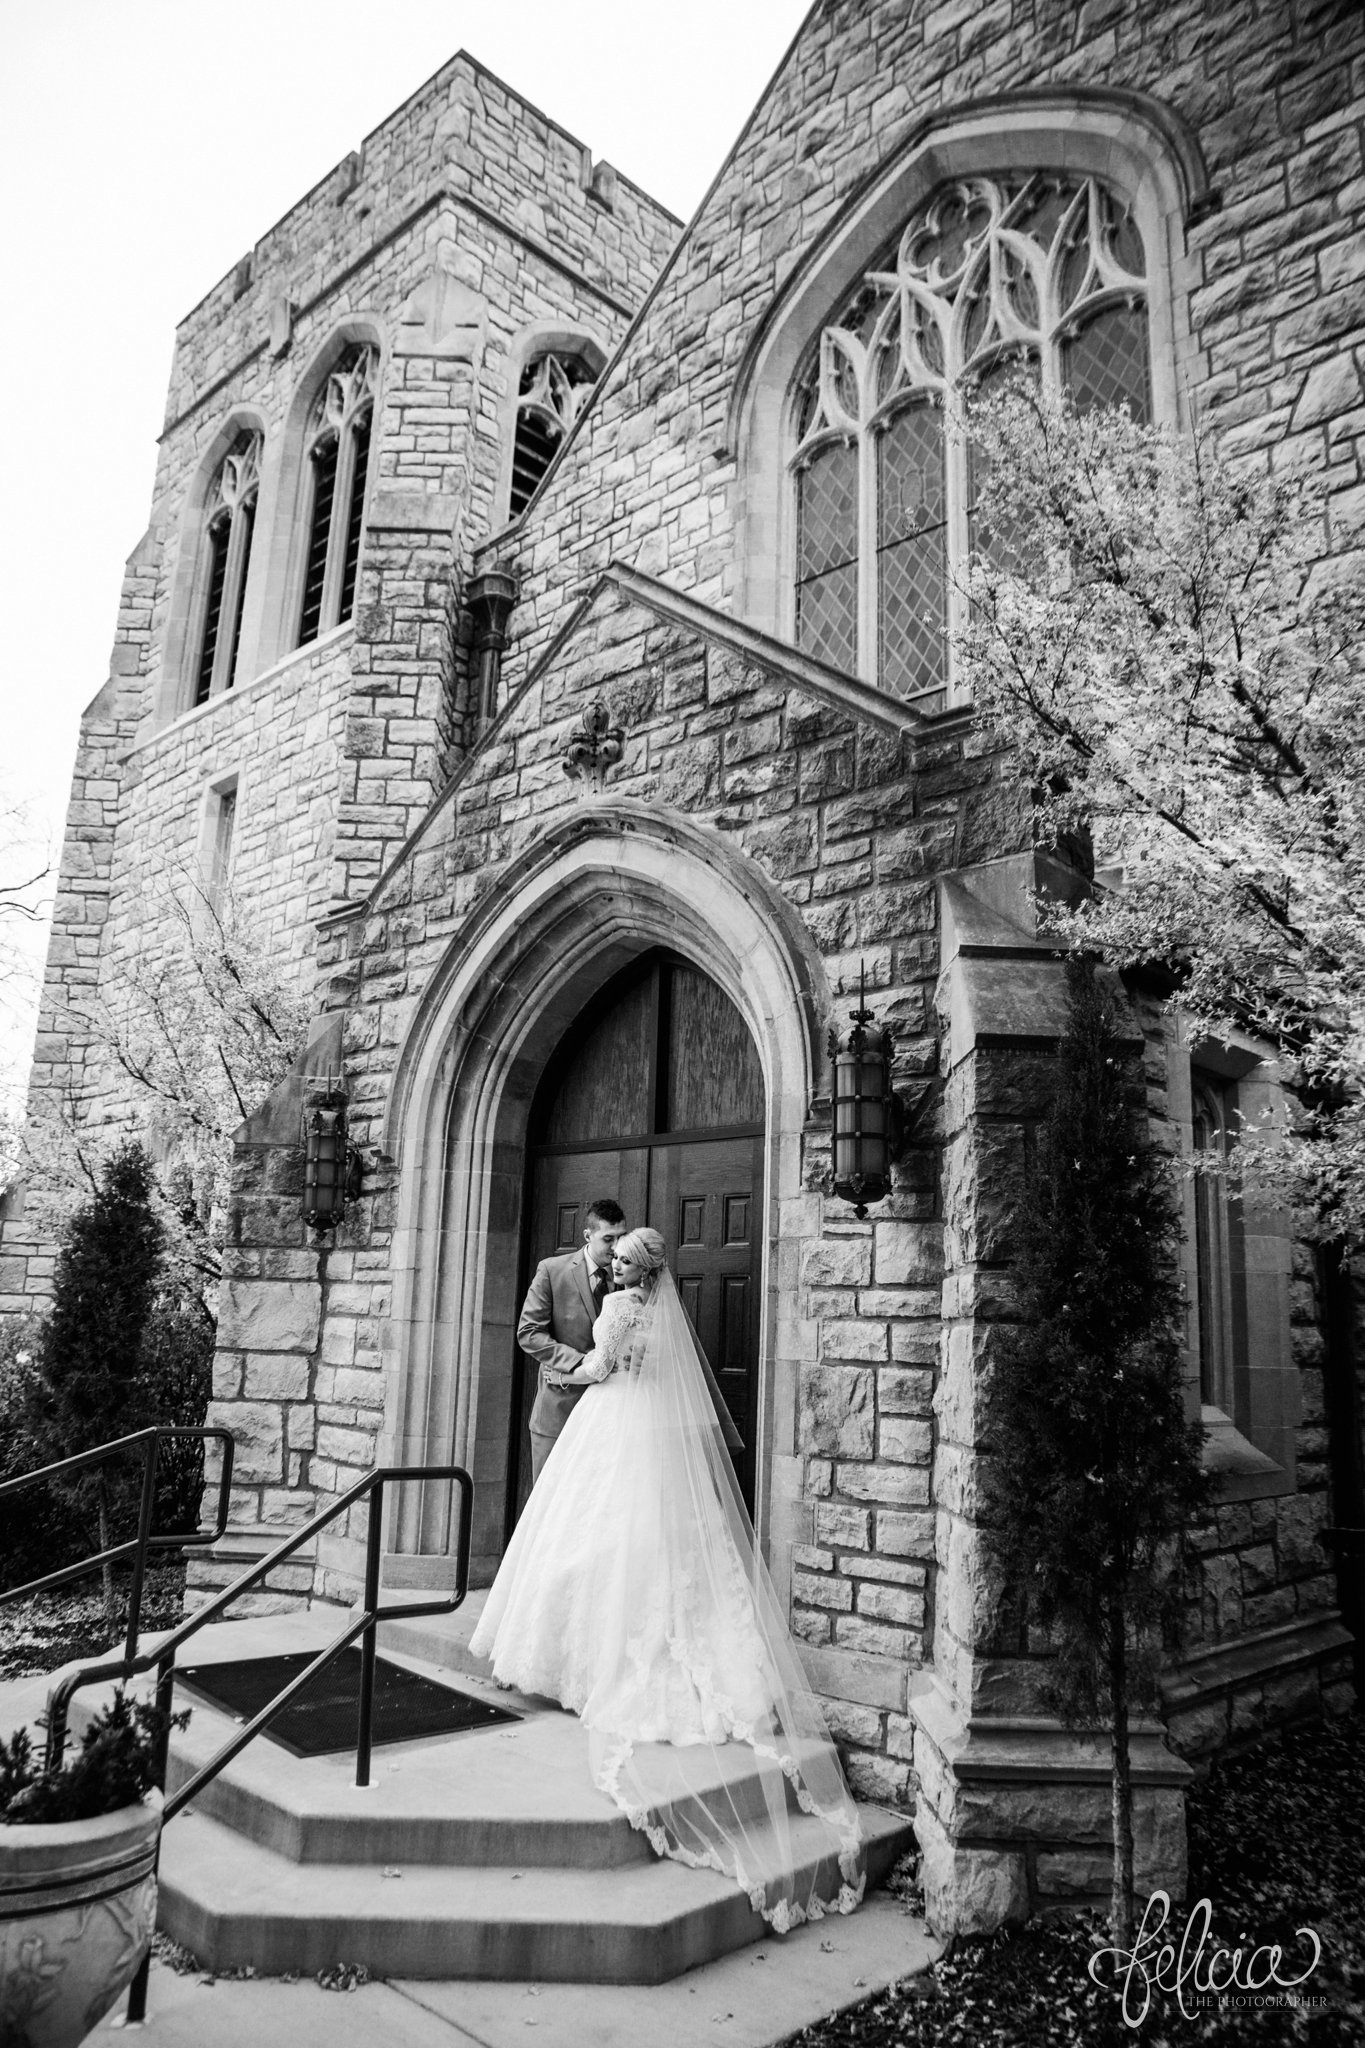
(607,1334)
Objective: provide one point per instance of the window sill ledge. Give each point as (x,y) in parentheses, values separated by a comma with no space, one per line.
(1239,1471)
(226,700)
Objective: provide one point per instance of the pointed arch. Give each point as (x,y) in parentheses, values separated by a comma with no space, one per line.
(586,900)
(1107,141)
(289,512)
(242,430)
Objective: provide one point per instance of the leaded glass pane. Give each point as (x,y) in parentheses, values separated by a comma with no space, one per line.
(1005,546)
(1128,243)
(1042,211)
(1106,364)
(912,650)
(827,509)
(827,617)
(910,474)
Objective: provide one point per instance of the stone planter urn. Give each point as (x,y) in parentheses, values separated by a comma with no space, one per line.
(77,1909)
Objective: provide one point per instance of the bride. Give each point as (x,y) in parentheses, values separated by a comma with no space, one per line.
(632,1591)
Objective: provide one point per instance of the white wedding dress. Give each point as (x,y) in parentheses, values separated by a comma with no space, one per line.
(632,1592)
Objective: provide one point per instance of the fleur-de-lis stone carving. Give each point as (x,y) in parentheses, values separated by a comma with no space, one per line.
(594,745)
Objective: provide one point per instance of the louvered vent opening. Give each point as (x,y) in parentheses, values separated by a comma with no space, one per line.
(315,573)
(356,515)
(535,448)
(213,611)
(248,516)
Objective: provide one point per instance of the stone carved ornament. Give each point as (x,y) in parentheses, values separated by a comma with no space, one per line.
(594,745)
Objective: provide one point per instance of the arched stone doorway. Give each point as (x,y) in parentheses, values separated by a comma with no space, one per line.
(654,1096)
(583,904)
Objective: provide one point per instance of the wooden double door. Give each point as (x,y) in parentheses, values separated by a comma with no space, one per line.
(655,1097)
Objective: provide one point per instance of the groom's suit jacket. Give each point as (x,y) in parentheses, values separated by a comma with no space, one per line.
(554,1331)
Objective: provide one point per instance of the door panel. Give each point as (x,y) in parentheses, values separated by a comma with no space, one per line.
(655,1096)
(702,1198)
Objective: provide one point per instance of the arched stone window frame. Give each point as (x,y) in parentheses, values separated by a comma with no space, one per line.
(287,517)
(543,338)
(190,575)
(1132,144)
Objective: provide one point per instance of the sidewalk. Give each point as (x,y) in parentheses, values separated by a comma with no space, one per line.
(748,2000)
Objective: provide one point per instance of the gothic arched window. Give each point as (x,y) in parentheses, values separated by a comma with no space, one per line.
(1047,270)
(230,521)
(338,447)
(550,397)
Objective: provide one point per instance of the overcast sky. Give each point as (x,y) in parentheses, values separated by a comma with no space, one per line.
(145,145)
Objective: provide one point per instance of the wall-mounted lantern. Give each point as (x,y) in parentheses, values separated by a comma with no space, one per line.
(331,1165)
(866,1113)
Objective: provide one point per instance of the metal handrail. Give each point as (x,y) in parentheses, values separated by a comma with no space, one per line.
(364,1625)
(163,1656)
(149,1440)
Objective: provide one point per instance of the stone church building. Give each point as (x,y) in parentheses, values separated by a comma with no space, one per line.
(543,620)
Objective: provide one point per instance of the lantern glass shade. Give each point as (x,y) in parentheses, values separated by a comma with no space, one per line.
(324,1165)
(862,1153)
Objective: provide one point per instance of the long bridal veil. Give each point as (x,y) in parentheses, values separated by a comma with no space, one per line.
(702,1725)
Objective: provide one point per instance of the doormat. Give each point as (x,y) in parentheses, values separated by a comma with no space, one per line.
(321,1719)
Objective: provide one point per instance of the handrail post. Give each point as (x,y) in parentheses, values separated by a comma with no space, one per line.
(144,1530)
(136,2011)
(374,1536)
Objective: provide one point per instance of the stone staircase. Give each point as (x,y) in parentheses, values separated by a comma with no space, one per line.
(486,1854)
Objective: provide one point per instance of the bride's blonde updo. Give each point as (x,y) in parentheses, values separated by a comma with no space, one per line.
(643,1247)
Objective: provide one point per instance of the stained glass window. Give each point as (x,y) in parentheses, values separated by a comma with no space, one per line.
(989,273)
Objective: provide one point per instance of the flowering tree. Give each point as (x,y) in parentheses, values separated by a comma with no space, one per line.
(204,1032)
(1176,650)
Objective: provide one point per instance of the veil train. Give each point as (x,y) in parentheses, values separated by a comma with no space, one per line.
(702,1723)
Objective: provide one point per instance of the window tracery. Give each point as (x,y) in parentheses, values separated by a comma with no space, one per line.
(338,444)
(1048,270)
(230,521)
(553,390)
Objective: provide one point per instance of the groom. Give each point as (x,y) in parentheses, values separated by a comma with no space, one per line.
(555,1330)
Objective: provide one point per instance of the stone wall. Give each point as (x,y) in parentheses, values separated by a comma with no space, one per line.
(1011,1812)
(847,819)
(762,801)
(1268,277)
(464,222)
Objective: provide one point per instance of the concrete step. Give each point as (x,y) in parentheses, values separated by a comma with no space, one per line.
(235,1902)
(514,1865)
(442,1640)
(517,1794)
